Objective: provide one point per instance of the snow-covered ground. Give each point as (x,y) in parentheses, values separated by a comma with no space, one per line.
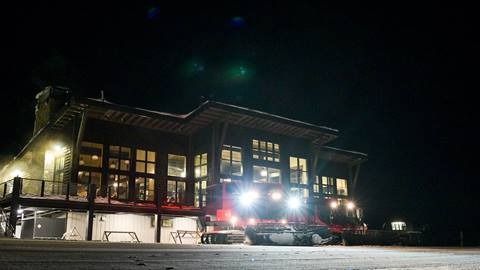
(17,254)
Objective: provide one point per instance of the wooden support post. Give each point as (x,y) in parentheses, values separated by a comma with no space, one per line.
(17,189)
(190,173)
(77,138)
(158,228)
(92,188)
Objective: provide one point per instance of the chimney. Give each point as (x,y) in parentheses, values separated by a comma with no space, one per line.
(49,101)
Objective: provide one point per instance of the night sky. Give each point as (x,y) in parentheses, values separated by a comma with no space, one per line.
(397,82)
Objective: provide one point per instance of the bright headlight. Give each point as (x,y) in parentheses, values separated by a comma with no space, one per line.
(247,198)
(333,205)
(350,205)
(276,196)
(294,203)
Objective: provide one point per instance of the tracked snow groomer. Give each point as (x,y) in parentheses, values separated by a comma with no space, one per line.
(264,214)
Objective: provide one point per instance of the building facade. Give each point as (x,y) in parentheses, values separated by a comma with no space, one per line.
(93,168)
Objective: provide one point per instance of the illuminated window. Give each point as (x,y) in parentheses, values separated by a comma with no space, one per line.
(145,161)
(119,158)
(300,192)
(201,168)
(298,171)
(266,175)
(342,187)
(317,185)
(118,186)
(200,199)
(264,150)
(176,191)
(231,163)
(177,165)
(86,178)
(145,189)
(399,226)
(328,185)
(91,154)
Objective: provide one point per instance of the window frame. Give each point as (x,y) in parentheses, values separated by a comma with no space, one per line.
(176,200)
(230,161)
(268,176)
(117,181)
(119,158)
(145,182)
(261,150)
(298,171)
(184,166)
(145,162)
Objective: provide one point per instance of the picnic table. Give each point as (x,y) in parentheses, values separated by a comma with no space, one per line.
(133,235)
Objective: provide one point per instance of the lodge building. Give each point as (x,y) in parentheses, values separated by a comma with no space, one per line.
(93,166)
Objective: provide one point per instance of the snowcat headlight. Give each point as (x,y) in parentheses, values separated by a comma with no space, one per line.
(333,205)
(350,205)
(294,203)
(247,198)
(276,196)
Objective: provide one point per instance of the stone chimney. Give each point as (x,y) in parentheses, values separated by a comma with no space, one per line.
(49,102)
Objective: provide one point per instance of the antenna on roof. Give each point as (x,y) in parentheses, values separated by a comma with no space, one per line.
(102,95)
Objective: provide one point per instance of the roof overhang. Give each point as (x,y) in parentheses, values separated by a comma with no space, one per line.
(341,155)
(206,114)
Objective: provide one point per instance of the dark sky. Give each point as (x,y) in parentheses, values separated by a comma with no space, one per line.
(398,81)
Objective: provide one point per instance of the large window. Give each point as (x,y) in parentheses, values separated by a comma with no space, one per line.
(119,158)
(144,188)
(266,175)
(91,154)
(300,192)
(201,168)
(145,161)
(201,172)
(177,165)
(118,186)
(298,171)
(317,185)
(200,199)
(86,178)
(342,187)
(231,163)
(176,191)
(264,150)
(328,185)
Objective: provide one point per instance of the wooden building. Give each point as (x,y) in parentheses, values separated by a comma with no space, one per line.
(92,166)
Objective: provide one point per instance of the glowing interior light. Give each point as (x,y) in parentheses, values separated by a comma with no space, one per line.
(276,196)
(16,173)
(115,184)
(197,172)
(233,220)
(350,205)
(333,205)
(57,147)
(183,174)
(94,157)
(19,211)
(251,221)
(294,203)
(263,173)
